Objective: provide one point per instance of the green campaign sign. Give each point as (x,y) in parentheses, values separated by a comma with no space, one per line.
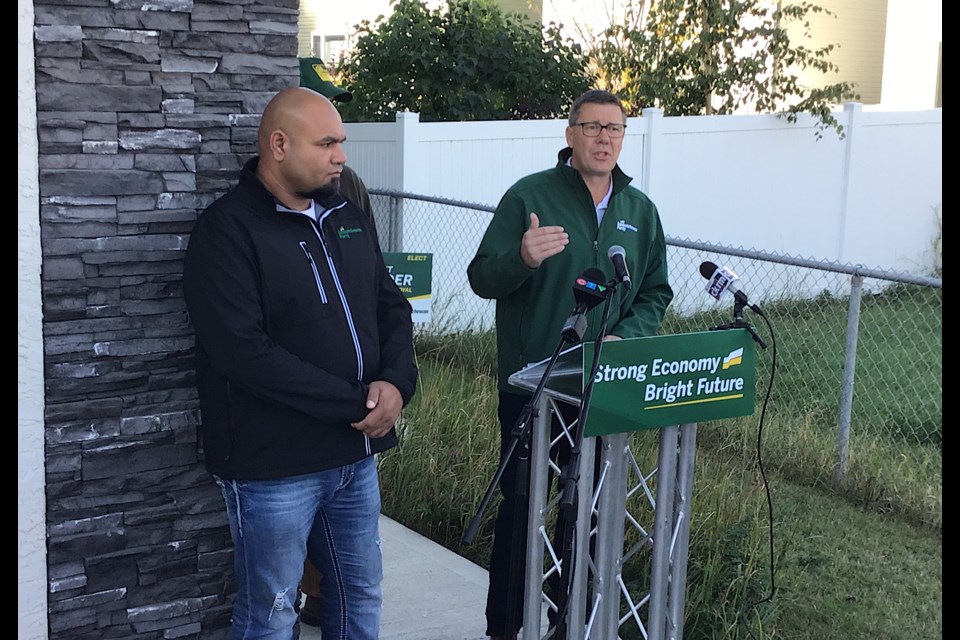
(646,383)
(413,273)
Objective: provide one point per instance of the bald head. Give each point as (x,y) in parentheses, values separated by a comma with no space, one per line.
(300,141)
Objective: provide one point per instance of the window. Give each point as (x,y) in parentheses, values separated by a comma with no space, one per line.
(329,48)
(333,48)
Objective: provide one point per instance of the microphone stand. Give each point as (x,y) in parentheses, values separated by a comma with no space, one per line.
(740,323)
(520,437)
(571,475)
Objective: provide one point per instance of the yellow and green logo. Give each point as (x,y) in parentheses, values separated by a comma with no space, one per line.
(735,358)
(345,233)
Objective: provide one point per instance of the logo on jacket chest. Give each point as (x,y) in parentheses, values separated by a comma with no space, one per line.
(346,233)
(623,225)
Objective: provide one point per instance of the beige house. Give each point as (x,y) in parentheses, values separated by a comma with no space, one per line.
(890,49)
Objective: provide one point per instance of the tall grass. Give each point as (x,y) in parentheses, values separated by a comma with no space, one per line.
(449,450)
(449,446)
(896,424)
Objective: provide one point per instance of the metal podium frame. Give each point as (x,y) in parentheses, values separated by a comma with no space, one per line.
(597,588)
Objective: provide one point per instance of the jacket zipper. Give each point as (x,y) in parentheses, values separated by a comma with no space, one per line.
(318,230)
(316,274)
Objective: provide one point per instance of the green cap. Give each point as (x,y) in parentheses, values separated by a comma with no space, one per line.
(313,75)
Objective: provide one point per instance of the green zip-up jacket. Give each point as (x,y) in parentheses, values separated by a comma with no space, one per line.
(533,304)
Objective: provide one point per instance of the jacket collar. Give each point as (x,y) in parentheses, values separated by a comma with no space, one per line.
(248,178)
(620,179)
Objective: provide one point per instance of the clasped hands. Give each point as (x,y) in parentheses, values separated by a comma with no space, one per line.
(384,402)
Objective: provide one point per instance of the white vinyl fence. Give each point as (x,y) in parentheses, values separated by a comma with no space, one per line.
(872,197)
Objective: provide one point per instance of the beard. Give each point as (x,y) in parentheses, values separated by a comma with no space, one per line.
(322,192)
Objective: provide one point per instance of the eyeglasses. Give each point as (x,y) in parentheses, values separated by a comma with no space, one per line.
(592,129)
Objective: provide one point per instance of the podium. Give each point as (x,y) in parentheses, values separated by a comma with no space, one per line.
(595,590)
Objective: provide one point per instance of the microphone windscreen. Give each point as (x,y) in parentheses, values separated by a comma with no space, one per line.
(616,250)
(707,269)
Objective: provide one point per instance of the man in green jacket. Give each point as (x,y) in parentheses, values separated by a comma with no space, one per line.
(547,230)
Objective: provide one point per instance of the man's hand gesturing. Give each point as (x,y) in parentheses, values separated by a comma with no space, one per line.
(539,243)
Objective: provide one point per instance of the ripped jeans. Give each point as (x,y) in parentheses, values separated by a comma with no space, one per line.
(331,515)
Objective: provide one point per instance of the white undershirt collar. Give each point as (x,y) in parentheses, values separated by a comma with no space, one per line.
(601,207)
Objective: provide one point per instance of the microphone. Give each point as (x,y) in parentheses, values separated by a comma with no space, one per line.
(618,257)
(721,280)
(588,291)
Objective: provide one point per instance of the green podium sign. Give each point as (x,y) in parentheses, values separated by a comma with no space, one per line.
(647,383)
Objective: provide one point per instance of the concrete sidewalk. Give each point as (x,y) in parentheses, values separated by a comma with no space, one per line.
(429,592)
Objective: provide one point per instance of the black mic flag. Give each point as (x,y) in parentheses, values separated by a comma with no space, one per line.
(588,292)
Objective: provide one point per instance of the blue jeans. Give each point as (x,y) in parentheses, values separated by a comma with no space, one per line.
(333,517)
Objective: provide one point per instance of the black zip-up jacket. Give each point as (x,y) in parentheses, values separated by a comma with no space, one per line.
(294,319)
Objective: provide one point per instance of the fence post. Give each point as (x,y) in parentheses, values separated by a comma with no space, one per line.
(846,388)
(413,154)
(409,173)
(652,118)
(852,111)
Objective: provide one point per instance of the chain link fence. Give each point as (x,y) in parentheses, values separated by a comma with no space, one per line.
(853,354)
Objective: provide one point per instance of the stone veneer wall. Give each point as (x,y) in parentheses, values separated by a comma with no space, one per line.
(146,110)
